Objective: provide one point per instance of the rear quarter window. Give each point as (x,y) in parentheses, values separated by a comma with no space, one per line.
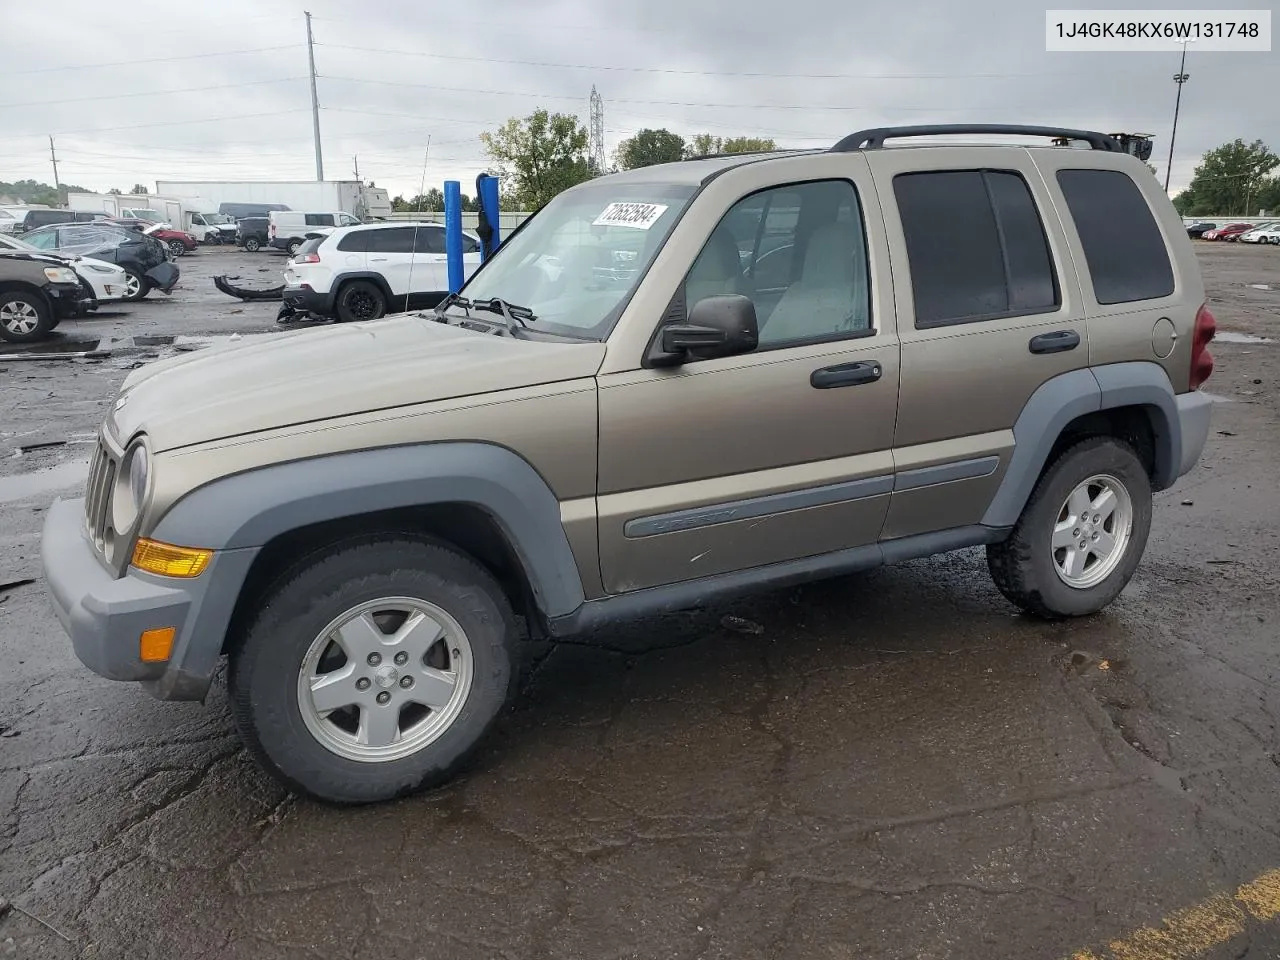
(1125,251)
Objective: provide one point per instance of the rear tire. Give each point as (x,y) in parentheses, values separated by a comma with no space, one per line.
(136,286)
(25,317)
(360,300)
(330,684)
(1097,491)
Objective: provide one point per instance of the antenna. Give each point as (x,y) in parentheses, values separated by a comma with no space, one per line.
(596,159)
(422,189)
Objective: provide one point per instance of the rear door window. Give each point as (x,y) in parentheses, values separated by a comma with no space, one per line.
(1127,257)
(976,247)
(429,240)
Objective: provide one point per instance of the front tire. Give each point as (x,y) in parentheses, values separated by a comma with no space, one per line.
(360,300)
(374,670)
(24,317)
(1080,536)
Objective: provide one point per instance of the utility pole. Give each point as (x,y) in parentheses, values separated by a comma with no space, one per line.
(54,157)
(315,100)
(1179,78)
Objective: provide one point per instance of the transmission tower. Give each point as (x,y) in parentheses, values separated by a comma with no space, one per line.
(597,160)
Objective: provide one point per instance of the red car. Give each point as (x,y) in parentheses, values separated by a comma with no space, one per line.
(179,242)
(1231,231)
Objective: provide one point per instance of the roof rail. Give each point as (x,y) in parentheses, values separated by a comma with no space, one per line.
(874,138)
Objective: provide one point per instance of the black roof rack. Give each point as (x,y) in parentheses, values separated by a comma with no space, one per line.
(874,138)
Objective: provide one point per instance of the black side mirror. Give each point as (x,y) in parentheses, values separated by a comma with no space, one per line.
(719,326)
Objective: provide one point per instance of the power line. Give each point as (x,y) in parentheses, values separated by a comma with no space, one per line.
(174,123)
(147,93)
(723,73)
(131,63)
(811,107)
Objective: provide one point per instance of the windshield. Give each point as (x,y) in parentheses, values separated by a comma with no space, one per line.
(13,243)
(576,263)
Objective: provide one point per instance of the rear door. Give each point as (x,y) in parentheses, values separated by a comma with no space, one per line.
(989,309)
(391,255)
(430,267)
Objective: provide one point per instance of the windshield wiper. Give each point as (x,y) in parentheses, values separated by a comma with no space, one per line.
(511,312)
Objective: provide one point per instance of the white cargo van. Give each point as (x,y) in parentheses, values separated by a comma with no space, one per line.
(286,229)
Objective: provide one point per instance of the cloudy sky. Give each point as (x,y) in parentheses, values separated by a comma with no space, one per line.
(217,89)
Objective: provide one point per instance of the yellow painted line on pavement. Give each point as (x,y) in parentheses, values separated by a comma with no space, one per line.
(1192,931)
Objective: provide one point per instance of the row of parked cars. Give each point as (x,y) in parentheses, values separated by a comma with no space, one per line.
(1267,231)
(69,269)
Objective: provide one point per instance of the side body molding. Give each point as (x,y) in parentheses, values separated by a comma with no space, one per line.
(248,509)
(1062,399)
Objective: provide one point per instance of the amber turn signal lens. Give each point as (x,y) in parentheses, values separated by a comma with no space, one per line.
(170,561)
(155,646)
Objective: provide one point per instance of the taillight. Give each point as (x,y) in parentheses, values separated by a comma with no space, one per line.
(307,258)
(1201,358)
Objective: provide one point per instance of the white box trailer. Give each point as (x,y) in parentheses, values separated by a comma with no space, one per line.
(350,196)
(192,214)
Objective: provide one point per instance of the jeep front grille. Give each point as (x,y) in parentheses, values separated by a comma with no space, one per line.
(97,501)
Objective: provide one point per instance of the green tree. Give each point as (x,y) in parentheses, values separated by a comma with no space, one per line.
(1269,196)
(33,191)
(649,147)
(1230,181)
(747,145)
(138,188)
(540,155)
(704,144)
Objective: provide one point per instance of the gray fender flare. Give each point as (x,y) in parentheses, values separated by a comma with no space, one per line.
(247,510)
(1062,399)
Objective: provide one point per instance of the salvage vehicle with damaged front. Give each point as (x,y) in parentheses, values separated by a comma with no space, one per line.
(145,260)
(669,385)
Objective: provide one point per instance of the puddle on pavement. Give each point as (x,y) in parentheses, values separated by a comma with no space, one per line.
(24,485)
(1223,336)
(45,347)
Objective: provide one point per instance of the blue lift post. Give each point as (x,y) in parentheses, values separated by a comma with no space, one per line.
(453,233)
(487,203)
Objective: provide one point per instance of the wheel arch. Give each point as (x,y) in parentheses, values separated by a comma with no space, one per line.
(1134,401)
(481,498)
(345,279)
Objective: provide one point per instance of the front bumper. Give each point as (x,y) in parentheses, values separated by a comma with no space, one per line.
(302,299)
(105,616)
(1195,412)
(69,299)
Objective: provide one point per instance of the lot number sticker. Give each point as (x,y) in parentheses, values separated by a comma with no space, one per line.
(642,216)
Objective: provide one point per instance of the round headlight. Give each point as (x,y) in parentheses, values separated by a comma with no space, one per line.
(130,489)
(139,474)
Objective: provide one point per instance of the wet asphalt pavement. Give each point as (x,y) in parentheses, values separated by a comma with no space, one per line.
(892,765)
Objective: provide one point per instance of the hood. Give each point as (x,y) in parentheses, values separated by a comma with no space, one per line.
(318,374)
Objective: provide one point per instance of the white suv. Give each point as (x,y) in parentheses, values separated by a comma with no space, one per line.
(364,272)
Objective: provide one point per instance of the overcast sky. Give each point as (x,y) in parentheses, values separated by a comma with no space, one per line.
(218,90)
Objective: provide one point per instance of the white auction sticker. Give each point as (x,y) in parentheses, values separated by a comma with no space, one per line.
(642,216)
(1237,31)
